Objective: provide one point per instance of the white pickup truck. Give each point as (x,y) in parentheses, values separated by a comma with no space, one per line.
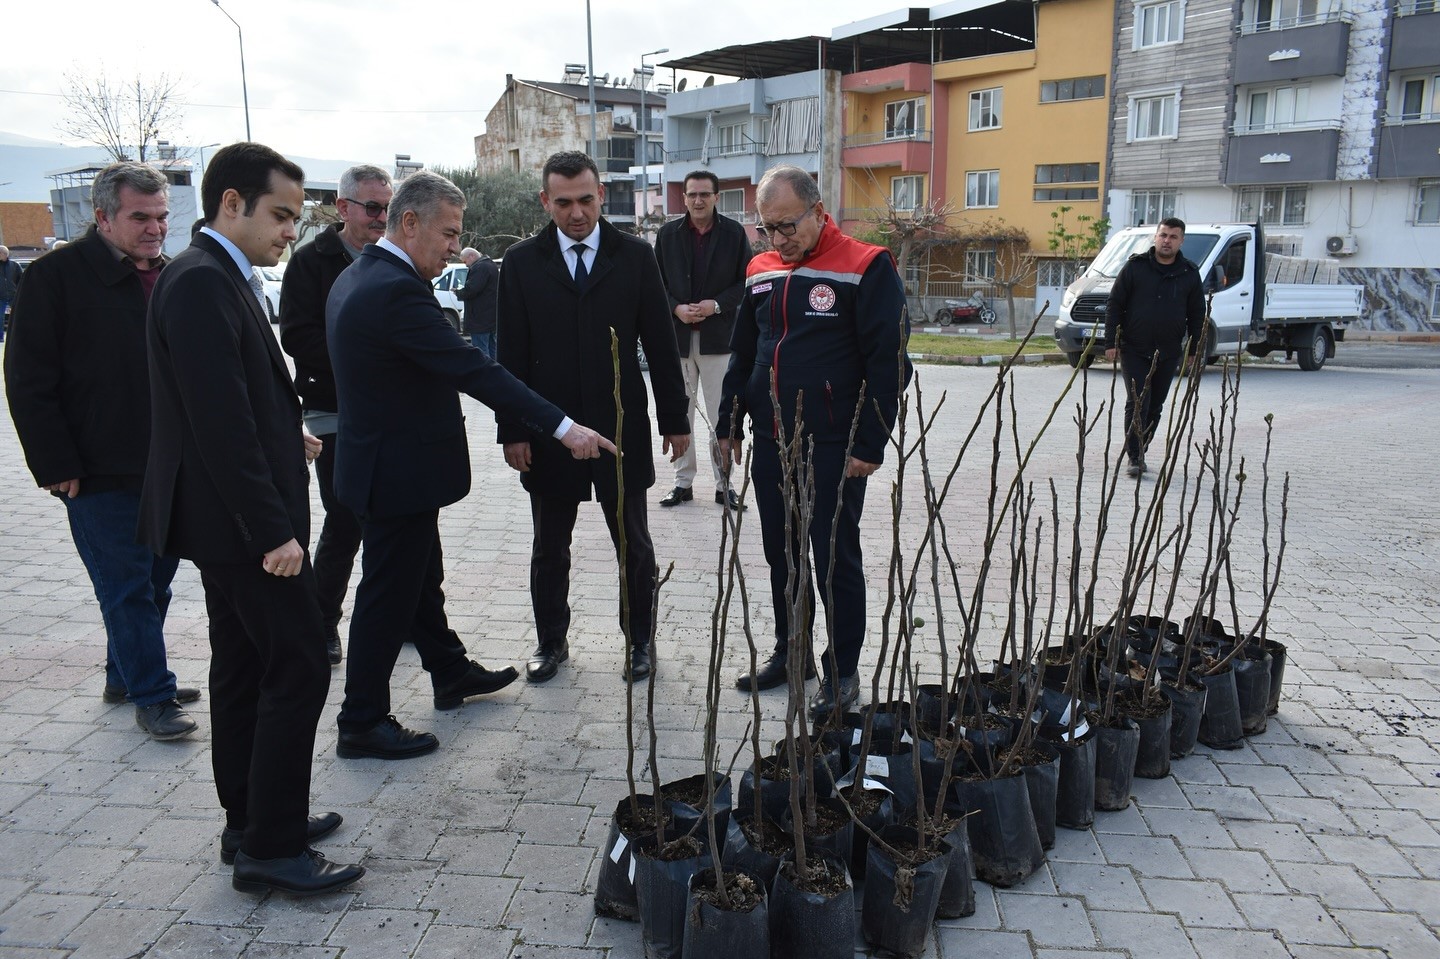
(1305,309)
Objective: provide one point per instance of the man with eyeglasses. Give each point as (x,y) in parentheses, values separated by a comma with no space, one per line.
(702,259)
(824,315)
(365,193)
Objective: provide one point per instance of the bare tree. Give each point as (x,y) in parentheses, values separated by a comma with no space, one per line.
(1014,264)
(125,117)
(909,233)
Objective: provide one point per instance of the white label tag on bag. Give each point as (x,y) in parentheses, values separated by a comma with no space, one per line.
(632,870)
(619,849)
(877,766)
(856,737)
(876,784)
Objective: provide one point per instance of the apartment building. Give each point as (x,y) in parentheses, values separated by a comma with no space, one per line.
(534,118)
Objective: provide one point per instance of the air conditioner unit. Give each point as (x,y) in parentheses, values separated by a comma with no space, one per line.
(623,120)
(1341,246)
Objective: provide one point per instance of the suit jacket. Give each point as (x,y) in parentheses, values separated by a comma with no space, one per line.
(728,253)
(310,274)
(556,339)
(480,294)
(75,369)
(226,480)
(401,447)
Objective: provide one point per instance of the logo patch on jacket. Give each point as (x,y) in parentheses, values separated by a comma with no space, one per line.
(822,298)
(760,288)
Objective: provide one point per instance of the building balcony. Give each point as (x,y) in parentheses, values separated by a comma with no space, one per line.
(1409,147)
(1282,154)
(911,153)
(1415,40)
(1313,48)
(911,77)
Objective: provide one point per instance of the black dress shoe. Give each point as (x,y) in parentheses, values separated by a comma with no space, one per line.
(678,495)
(164,721)
(545,662)
(729,499)
(332,645)
(387,739)
(770,674)
(475,681)
(637,667)
(824,699)
(318,827)
(308,874)
(119,694)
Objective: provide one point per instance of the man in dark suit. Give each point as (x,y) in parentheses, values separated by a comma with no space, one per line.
(480,294)
(79,391)
(702,257)
(226,488)
(365,193)
(402,456)
(562,295)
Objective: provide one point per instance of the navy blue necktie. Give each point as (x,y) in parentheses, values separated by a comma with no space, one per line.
(582,275)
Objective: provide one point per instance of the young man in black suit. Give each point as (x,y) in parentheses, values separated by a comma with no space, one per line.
(402,455)
(226,488)
(562,292)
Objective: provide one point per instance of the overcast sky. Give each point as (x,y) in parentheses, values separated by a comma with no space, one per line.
(365,79)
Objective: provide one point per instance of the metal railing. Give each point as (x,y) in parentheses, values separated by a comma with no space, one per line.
(897,136)
(1290,23)
(1294,126)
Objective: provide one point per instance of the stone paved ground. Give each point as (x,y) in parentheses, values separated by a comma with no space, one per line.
(1318,839)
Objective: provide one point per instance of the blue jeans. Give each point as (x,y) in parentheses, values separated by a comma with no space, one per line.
(484,342)
(132,586)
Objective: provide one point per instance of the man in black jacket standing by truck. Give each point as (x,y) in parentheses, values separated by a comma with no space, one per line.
(365,193)
(1156,302)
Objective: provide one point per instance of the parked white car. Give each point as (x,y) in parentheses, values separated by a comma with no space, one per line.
(273,275)
(452,279)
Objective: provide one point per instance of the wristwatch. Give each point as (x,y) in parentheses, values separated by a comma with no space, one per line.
(717,307)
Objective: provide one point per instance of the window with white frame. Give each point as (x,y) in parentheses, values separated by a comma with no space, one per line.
(985,108)
(1427,202)
(731,203)
(1155,116)
(1151,206)
(1273,205)
(1416,97)
(1408,8)
(1277,108)
(904,118)
(982,189)
(730,138)
(1061,273)
(979,266)
(907,192)
(1283,14)
(1159,23)
(1435,301)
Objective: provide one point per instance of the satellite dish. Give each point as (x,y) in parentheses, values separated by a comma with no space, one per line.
(681,85)
(709,82)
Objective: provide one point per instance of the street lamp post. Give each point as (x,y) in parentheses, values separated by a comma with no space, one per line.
(644,126)
(244,88)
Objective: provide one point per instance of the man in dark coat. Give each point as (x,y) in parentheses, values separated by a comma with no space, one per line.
(79,392)
(702,258)
(403,456)
(226,488)
(563,293)
(481,296)
(1157,301)
(365,193)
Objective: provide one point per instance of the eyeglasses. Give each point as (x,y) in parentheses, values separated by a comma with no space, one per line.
(699,196)
(784,229)
(372,209)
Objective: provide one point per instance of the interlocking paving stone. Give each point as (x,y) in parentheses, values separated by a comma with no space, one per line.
(1318,834)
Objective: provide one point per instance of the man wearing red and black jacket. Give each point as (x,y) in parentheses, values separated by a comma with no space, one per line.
(825,315)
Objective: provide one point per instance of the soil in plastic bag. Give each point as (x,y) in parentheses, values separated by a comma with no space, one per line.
(662,889)
(1187,706)
(1252,688)
(1277,674)
(812,918)
(898,907)
(1116,744)
(1003,841)
(715,932)
(1220,723)
(1075,792)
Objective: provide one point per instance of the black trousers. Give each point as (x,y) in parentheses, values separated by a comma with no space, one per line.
(846,615)
(550,565)
(400,596)
(339,540)
(268,680)
(1145,393)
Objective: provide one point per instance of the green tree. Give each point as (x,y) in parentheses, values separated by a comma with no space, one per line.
(502,208)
